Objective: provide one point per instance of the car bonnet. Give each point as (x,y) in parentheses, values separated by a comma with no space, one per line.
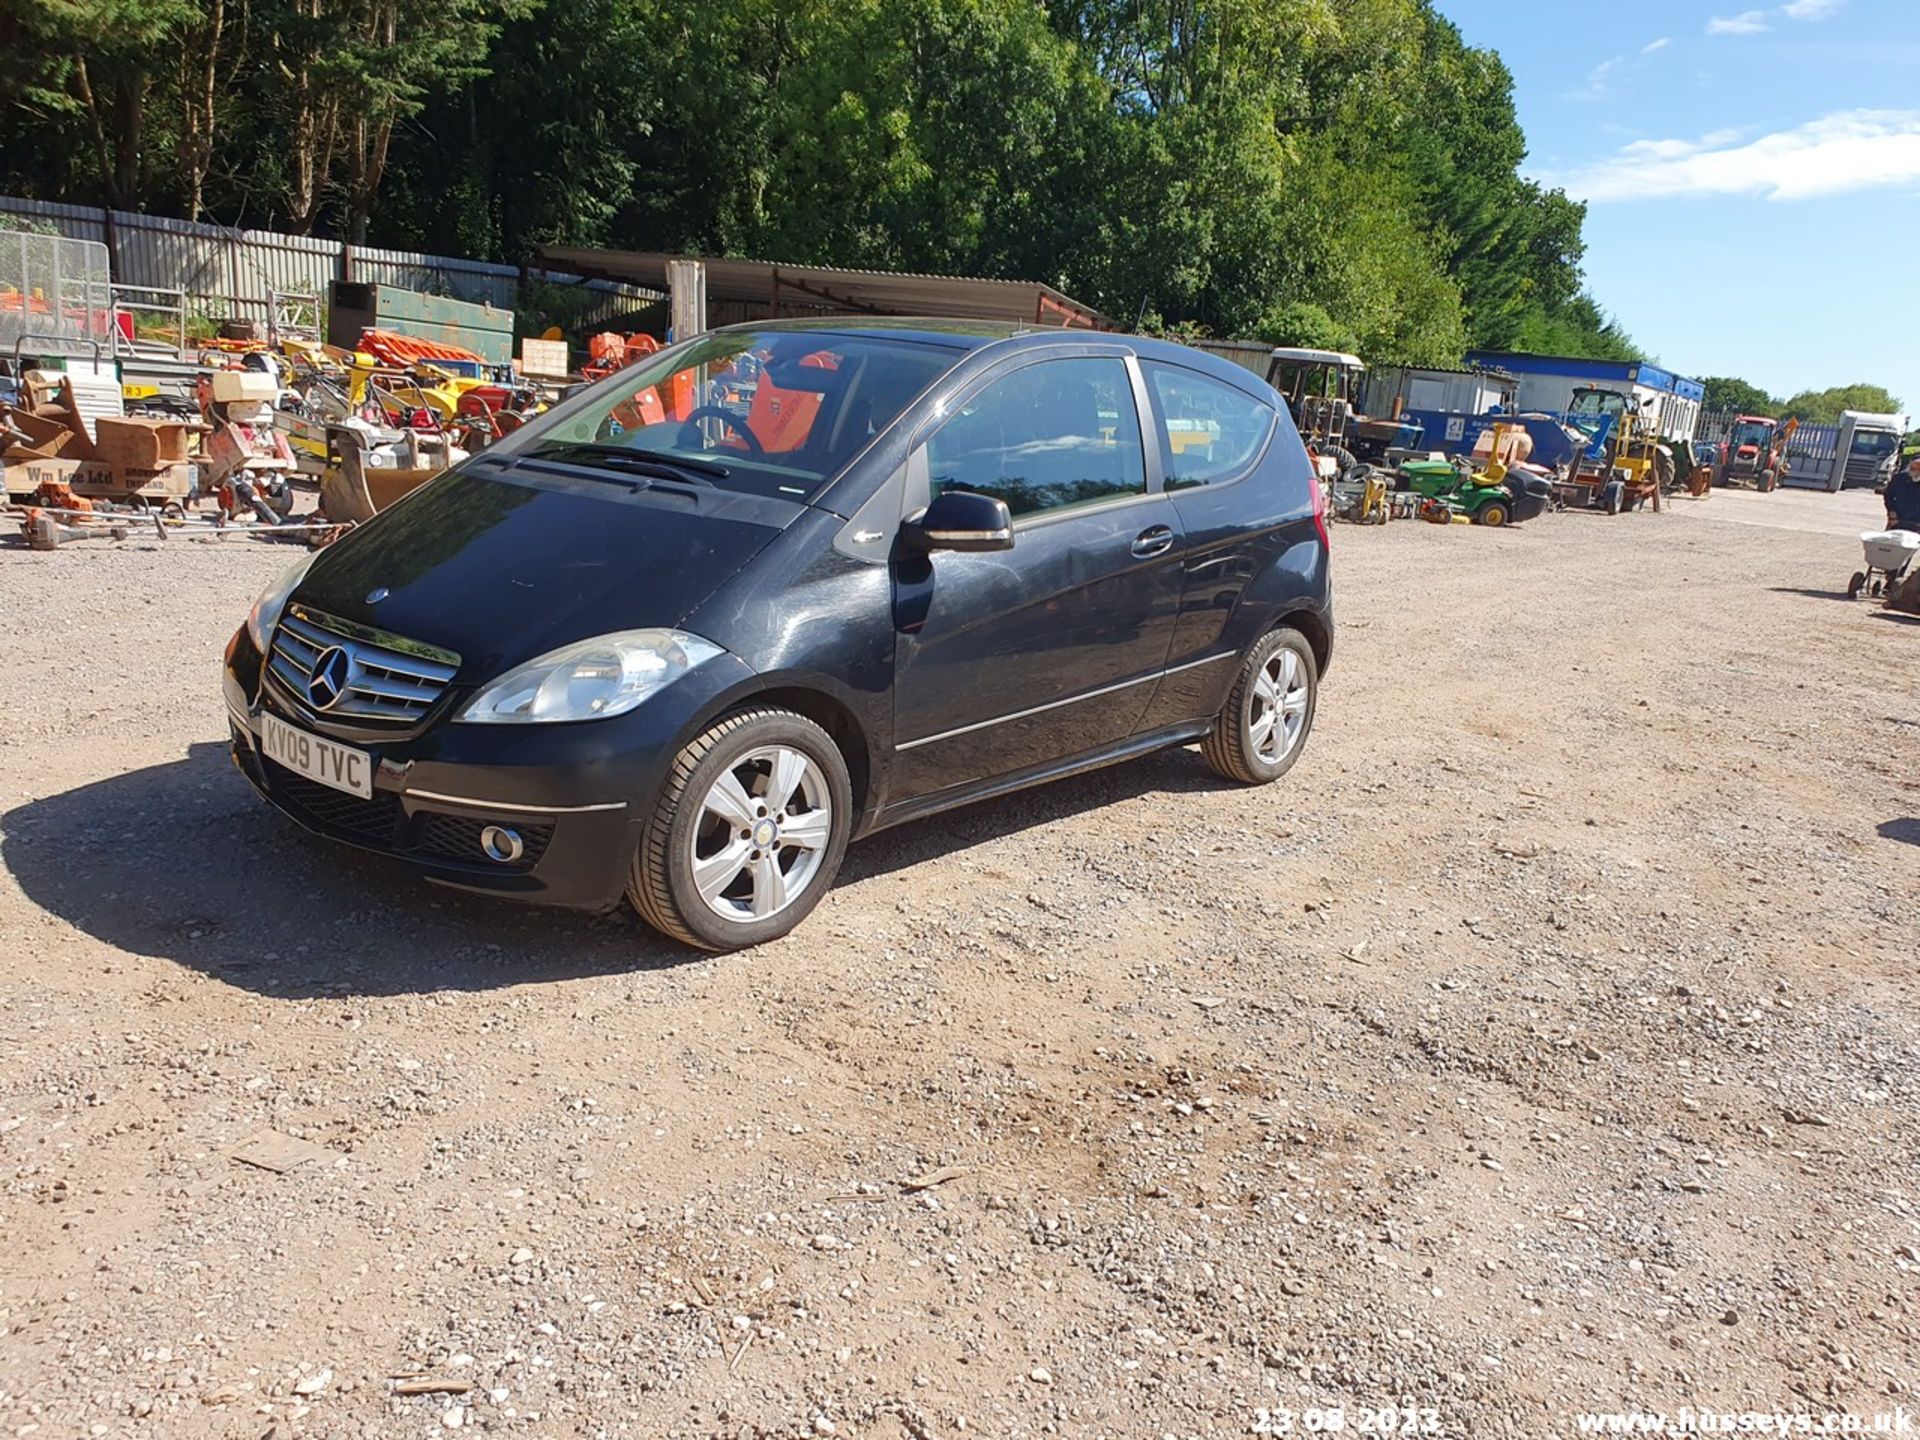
(500,569)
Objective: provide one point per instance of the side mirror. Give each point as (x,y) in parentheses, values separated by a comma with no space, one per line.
(960,520)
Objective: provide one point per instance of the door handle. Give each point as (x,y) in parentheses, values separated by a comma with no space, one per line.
(1156,540)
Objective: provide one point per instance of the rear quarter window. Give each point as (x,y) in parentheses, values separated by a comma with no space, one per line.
(1210,432)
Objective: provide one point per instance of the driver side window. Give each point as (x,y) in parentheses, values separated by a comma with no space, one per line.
(1053,436)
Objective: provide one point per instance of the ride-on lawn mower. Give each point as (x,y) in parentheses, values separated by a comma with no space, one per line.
(1497,495)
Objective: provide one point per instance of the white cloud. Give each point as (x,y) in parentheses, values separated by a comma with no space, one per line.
(1596,86)
(1601,77)
(1755,22)
(1847,151)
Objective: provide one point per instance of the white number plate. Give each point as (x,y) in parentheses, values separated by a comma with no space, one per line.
(340,766)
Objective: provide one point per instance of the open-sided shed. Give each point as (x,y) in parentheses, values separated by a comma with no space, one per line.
(762,289)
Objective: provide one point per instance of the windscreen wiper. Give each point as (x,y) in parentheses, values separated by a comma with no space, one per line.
(648,462)
(684,462)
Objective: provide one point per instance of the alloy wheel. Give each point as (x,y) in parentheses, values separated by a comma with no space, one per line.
(763,832)
(1280,697)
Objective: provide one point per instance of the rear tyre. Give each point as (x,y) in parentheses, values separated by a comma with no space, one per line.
(748,833)
(1263,727)
(1492,513)
(1856,584)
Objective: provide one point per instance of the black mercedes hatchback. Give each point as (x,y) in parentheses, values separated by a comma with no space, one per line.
(780,586)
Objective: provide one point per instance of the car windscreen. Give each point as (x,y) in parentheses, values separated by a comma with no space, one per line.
(1874,442)
(770,412)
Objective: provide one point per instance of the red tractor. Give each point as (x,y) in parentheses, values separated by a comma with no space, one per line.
(1755,453)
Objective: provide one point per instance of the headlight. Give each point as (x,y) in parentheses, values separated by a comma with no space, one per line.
(608,675)
(265,613)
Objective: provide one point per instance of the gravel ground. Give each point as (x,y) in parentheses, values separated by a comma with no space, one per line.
(1547,1041)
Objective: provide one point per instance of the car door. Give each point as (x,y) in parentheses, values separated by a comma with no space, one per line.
(1011,659)
(1242,487)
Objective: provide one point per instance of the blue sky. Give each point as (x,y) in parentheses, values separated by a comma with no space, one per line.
(1752,174)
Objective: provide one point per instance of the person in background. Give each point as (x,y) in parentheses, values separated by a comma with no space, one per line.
(1903,498)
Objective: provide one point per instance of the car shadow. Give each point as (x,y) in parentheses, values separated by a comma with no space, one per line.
(1812,594)
(183,861)
(1906,830)
(1165,771)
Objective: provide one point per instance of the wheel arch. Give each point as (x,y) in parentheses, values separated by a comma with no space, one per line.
(832,715)
(1317,628)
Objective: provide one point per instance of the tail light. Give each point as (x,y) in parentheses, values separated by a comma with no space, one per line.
(1320,508)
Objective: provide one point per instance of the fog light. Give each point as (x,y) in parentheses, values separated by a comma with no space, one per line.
(502,844)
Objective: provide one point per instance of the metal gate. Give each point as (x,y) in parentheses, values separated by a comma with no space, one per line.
(54,292)
(1811,455)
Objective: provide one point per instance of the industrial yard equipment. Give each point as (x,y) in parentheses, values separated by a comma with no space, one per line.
(1319,387)
(1361,494)
(1625,465)
(1498,494)
(1755,453)
(1888,554)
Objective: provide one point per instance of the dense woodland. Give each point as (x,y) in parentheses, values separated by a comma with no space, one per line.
(1312,171)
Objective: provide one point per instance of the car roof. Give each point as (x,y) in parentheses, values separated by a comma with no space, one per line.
(977,334)
(956,334)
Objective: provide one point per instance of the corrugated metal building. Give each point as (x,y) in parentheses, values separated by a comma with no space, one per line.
(1396,389)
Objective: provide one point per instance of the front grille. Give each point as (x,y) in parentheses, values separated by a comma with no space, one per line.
(458,838)
(373,822)
(388,679)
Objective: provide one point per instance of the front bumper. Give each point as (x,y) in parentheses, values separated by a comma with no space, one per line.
(577,795)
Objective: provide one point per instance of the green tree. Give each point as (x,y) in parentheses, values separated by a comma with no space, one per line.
(100,62)
(342,74)
(1727,392)
(1331,170)
(1823,407)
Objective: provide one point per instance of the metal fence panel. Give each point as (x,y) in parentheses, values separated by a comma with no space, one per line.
(237,274)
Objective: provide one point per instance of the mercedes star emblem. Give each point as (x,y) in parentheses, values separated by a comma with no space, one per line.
(328,682)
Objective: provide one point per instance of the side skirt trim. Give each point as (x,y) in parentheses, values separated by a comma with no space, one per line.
(1069,700)
(924,805)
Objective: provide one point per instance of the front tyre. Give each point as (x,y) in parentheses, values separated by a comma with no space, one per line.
(748,834)
(1263,727)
